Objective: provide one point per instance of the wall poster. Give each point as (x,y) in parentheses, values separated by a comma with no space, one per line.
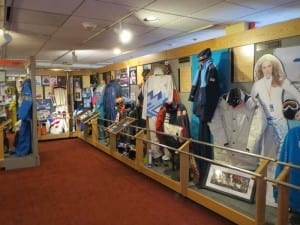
(133,75)
(124,83)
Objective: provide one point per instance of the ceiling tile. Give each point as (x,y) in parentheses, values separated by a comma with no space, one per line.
(38,18)
(53,6)
(260,4)
(87,56)
(182,8)
(223,12)
(18,50)
(108,40)
(101,10)
(34,29)
(163,18)
(275,15)
(130,3)
(53,49)
(186,24)
(155,36)
(75,22)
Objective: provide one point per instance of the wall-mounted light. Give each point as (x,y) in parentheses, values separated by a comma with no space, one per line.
(5,37)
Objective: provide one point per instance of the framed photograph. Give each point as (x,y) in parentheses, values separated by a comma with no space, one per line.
(133,75)
(39,92)
(53,81)
(147,67)
(78,95)
(230,182)
(38,80)
(46,80)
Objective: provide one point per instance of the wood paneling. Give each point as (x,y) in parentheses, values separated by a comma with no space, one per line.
(185,77)
(243,61)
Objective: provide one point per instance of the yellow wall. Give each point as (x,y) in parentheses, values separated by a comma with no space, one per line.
(276,31)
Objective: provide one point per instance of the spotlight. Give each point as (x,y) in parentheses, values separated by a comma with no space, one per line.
(125,36)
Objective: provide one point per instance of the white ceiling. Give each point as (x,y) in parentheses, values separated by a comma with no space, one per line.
(50,30)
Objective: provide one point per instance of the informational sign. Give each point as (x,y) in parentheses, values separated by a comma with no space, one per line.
(14,63)
(124,83)
(118,127)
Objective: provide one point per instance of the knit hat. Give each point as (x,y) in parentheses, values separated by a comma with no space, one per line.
(204,54)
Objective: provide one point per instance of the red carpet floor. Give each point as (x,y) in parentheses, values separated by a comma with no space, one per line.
(77,184)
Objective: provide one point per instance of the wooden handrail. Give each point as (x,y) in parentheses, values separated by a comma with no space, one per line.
(283,199)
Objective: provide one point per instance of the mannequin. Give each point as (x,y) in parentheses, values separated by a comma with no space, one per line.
(158,89)
(111,93)
(23,145)
(205,93)
(290,154)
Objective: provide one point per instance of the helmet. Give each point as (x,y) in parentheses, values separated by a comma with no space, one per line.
(290,108)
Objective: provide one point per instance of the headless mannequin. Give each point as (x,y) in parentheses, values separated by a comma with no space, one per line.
(205,93)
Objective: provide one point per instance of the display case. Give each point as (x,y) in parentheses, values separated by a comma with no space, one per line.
(84,124)
(3,129)
(252,211)
(52,107)
(122,141)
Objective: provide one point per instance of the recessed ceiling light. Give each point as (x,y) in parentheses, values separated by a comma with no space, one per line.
(89,25)
(150,19)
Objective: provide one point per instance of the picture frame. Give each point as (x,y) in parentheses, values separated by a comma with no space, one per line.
(147,67)
(133,75)
(46,80)
(38,80)
(77,95)
(230,182)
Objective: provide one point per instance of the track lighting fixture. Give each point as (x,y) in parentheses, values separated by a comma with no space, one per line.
(74,57)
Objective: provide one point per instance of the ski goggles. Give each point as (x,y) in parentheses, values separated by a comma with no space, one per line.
(291,109)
